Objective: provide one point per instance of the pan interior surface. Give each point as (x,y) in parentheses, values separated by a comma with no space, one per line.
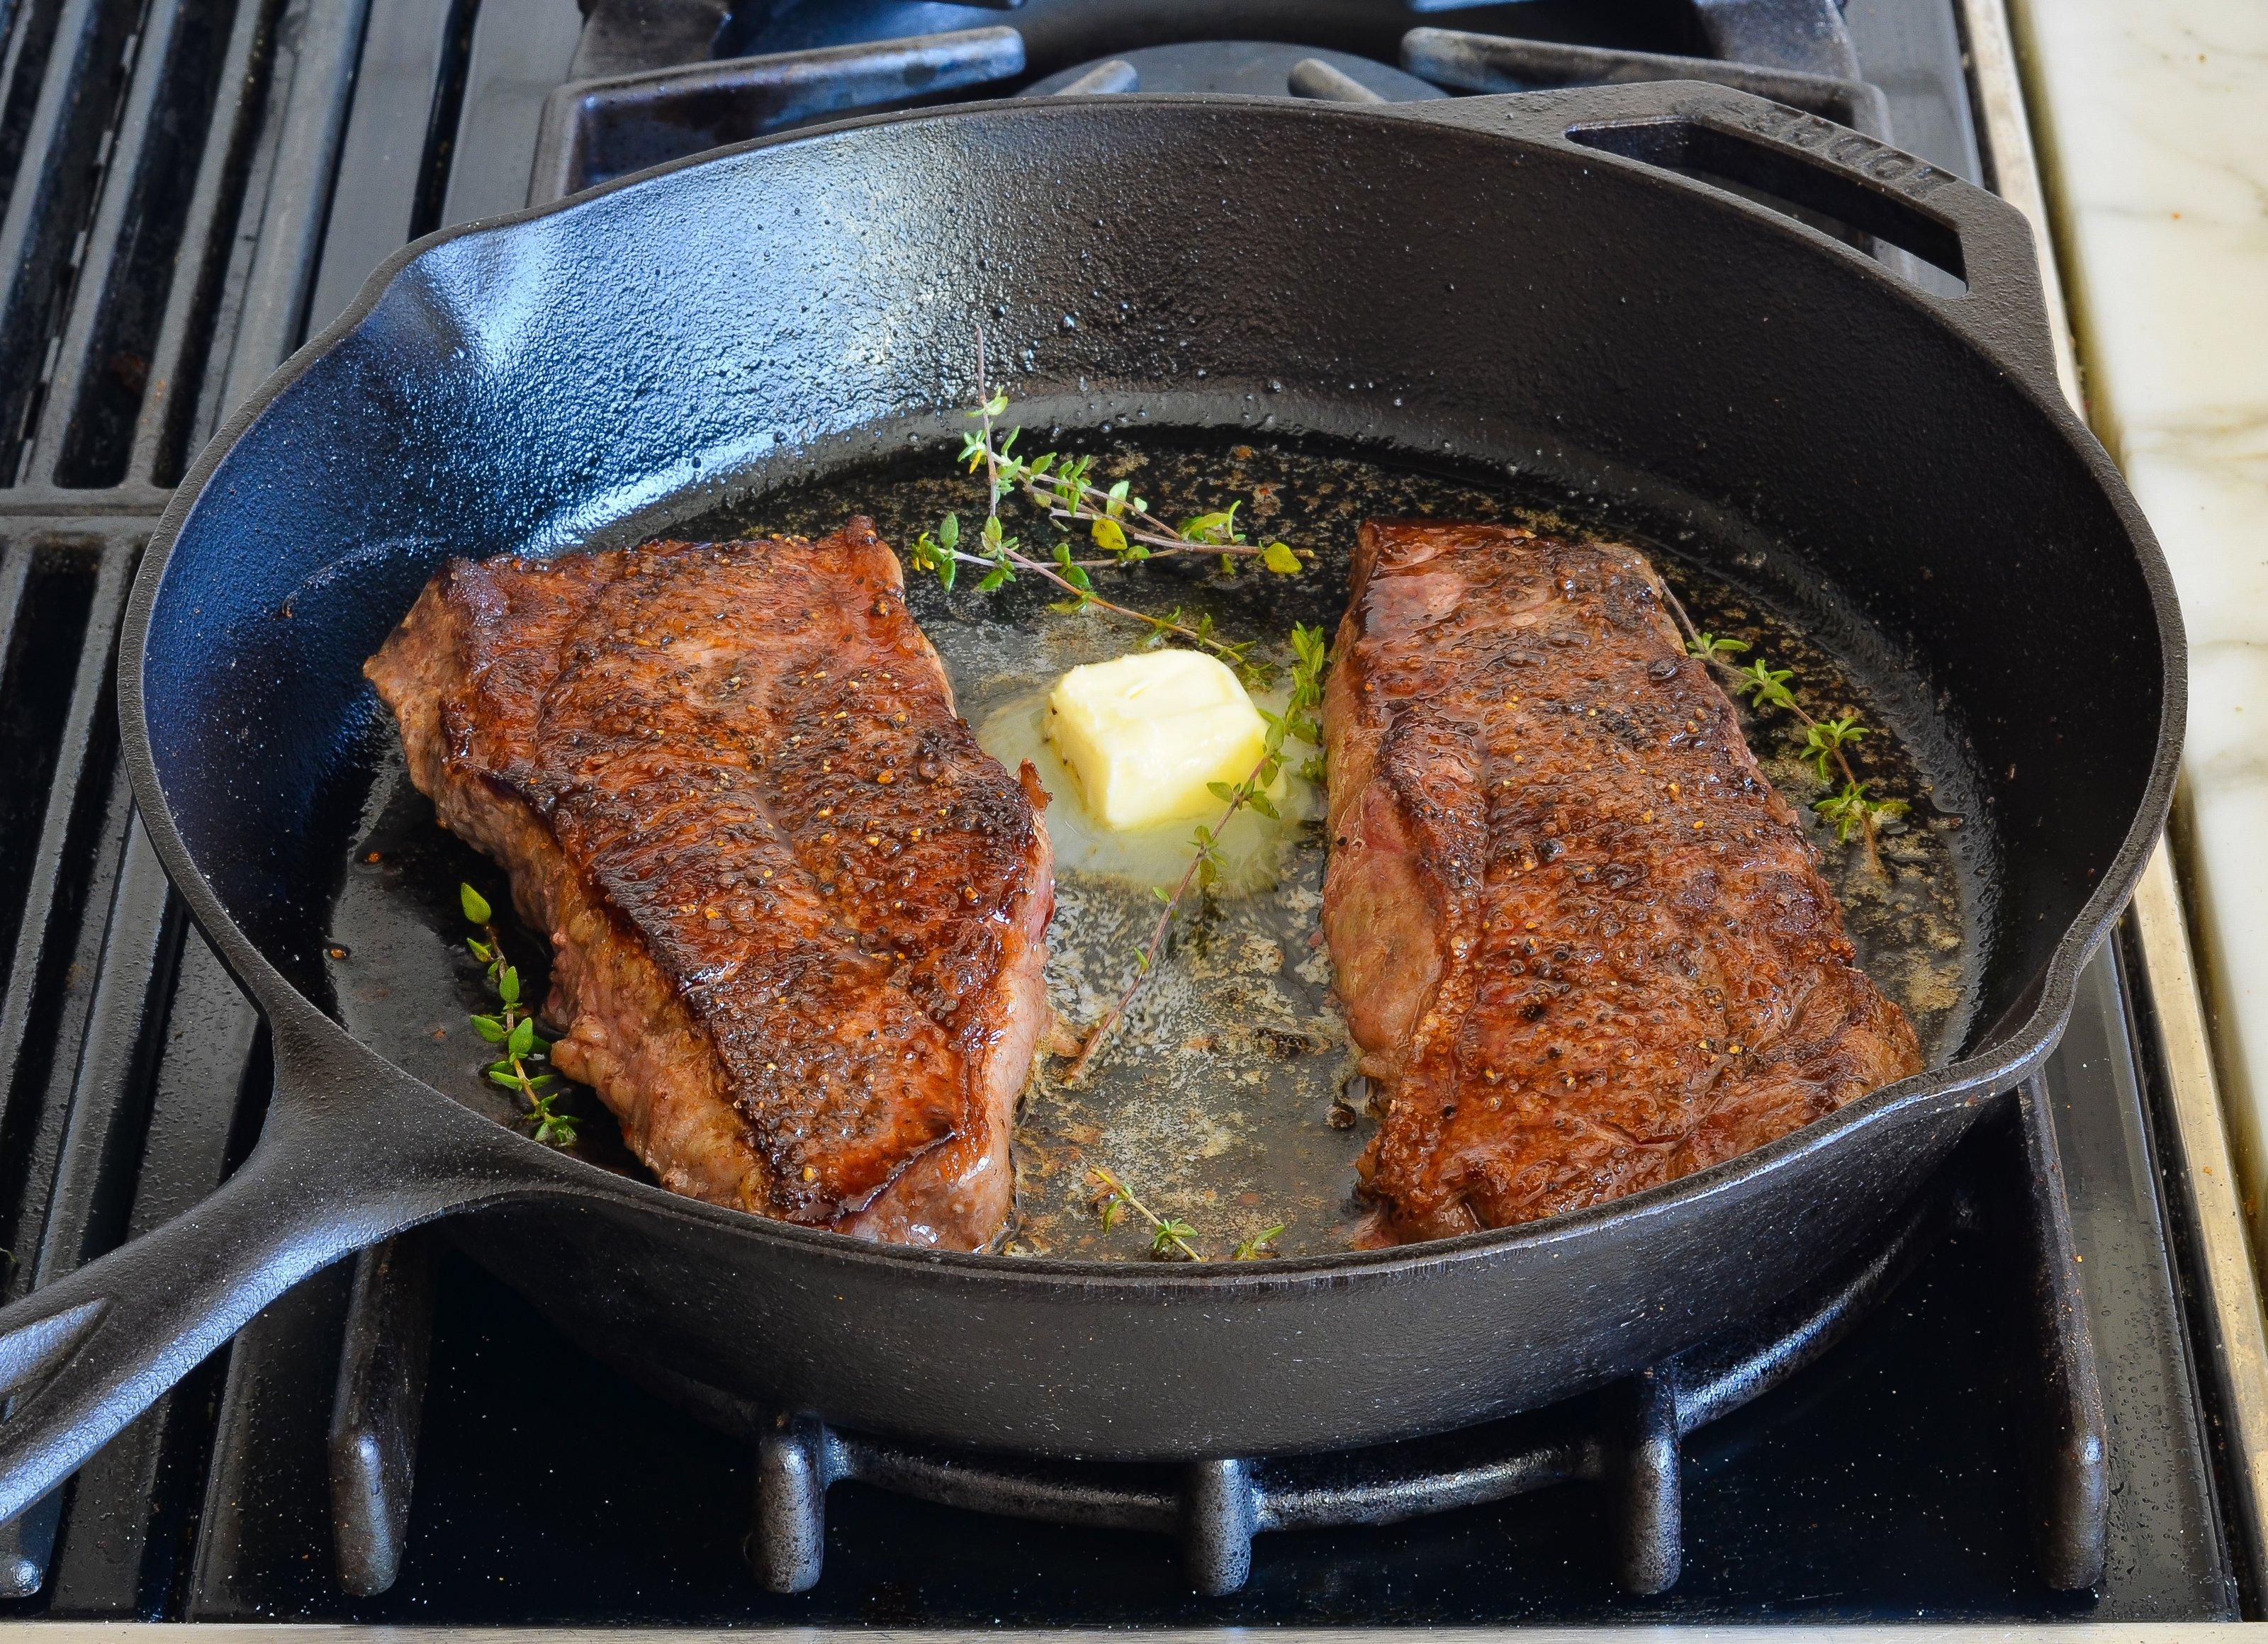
(1229,1097)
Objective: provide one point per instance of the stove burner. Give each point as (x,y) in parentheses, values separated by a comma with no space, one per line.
(596,129)
(1627,1436)
(1242,67)
(1496,62)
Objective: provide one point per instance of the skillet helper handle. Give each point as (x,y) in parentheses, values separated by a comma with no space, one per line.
(82,1357)
(1681,128)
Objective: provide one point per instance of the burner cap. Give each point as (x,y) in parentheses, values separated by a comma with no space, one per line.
(1239,68)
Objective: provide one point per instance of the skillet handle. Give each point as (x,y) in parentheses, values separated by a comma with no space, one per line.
(1679,128)
(343,1160)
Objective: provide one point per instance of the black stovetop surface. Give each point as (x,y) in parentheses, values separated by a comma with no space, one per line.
(1883,1482)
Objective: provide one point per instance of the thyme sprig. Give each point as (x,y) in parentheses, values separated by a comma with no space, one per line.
(1117,521)
(1310,653)
(1851,807)
(513,1027)
(1170,1236)
(1002,556)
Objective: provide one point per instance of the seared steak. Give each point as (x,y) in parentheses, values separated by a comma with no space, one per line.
(798,916)
(1581,942)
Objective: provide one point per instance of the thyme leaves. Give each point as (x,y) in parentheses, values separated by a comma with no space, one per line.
(1171,1238)
(512,1027)
(1119,523)
(1852,808)
(1257,1246)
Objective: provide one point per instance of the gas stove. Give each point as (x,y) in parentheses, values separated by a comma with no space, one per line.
(2036,1402)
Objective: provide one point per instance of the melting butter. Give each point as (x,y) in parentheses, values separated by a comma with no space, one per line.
(1154,854)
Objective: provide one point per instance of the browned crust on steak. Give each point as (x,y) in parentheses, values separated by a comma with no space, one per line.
(1583,944)
(799,917)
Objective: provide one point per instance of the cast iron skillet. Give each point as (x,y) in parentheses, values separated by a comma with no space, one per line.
(1512,280)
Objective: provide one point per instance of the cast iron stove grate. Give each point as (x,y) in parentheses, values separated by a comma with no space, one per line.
(192,186)
(1630,1437)
(646,90)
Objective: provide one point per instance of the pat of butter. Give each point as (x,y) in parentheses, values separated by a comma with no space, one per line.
(1143,735)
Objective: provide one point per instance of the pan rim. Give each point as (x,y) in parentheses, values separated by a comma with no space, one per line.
(1968,1080)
